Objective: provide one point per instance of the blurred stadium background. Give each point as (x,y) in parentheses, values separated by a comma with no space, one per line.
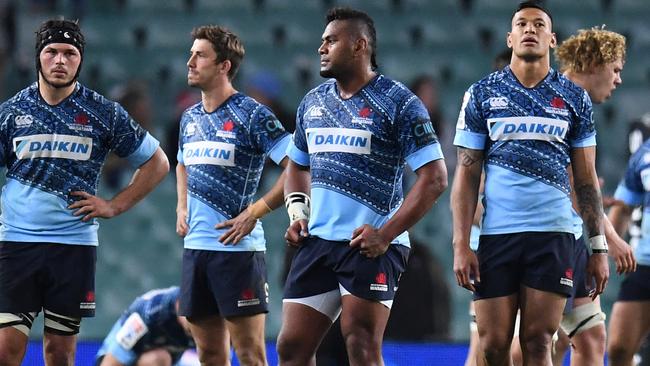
(146,42)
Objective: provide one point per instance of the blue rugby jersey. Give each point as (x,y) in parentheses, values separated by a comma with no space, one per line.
(634,190)
(527,135)
(50,151)
(157,311)
(224,154)
(356,150)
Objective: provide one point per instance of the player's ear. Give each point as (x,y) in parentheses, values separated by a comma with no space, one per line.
(509,40)
(553,40)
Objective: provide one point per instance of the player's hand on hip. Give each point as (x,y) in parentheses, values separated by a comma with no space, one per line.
(466,267)
(622,254)
(598,269)
(90,207)
(181,222)
(239,227)
(296,233)
(370,241)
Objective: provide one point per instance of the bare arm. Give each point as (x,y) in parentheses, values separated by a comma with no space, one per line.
(464,194)
(619,216)
(464,199)
(244,223)
(590,203)
(587,189)
(143,181)
(431,182)
(181,200)
(298,180)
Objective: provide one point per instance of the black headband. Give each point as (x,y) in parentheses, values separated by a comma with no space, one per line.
(60,35)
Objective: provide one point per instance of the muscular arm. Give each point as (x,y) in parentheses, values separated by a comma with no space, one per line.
(431,182)
(587,189)
(464,193)
(298,178)
(464,199)
(143,181)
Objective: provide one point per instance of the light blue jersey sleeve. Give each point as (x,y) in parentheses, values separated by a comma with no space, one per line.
(583,133)
(269,135)
(298,150)
(419,140)
(471,128)
(130,140)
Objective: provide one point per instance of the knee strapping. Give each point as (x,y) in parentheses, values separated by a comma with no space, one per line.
(581,318)
(21,321)
(60,324)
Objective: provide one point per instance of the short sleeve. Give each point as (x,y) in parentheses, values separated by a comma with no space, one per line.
(130,140)
(583,131)
(298,150)
(418,140)
(268,134)
(471,127)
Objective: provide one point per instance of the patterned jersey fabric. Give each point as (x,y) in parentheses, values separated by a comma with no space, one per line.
(356,150)
(527,135)
(224,153)
(50,151)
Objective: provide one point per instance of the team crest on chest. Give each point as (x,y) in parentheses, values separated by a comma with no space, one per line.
(558,106)
(227,130)
(364,117)
(81,123)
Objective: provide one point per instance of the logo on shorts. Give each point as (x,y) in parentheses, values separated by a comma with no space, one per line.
(567,280)
(380,283)
(569,273)
(248,298)
(89,301)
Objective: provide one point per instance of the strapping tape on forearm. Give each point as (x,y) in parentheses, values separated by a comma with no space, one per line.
(298,206)
(598,244)
(259,208)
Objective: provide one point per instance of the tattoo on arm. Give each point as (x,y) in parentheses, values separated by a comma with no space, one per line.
(591,208)
(468,157)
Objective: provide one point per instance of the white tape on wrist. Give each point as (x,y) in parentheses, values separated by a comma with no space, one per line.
(298,206)
(598,244)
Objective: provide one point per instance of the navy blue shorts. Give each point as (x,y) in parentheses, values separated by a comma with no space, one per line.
(580,288)
(223,283)
(539,260)
(320,265)
(56,277)
(635,286)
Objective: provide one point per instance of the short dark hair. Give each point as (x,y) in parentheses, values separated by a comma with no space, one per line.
(225,43)
(345,13)
(537,4)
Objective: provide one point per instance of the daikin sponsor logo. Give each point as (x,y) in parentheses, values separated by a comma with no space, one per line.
(339,140)
(53,146)
(527,128)
(209,152)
